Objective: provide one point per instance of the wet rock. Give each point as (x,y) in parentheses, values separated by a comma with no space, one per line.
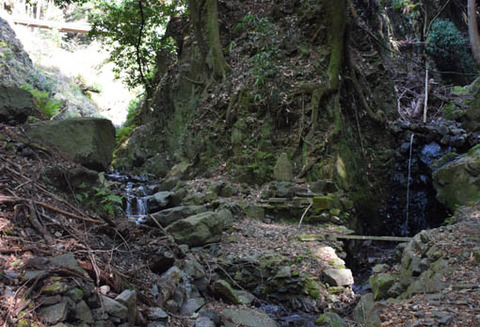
(15,104)
(89,141)
(246,317)
(330,319)
(83,312)
(198,230)
(338,277)
(55,313)
(283,169)
(224,290)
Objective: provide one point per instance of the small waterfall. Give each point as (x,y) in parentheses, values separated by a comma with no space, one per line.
(136,206)
(405,230)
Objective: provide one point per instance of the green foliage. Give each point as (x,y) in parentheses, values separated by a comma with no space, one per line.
(47,105)
(400,4)
(132,31)
(262,168)
(449,48)
(100,199)
(123,132)
(263,36)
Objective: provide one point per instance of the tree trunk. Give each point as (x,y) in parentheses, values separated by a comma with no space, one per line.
(219,65)
(204,18)
(473,29)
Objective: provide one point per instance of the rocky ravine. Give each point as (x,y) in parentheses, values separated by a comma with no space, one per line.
(64,265)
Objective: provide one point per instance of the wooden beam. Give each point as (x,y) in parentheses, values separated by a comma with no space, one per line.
(370,238)
(321,237)
(80,28)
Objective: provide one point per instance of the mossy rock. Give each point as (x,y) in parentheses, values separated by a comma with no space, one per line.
(330,319)
(456,182)
(283,170)
(380,285)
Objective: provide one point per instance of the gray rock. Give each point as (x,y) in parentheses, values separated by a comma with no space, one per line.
(191,306)
(114,308)
(157,314)
(89,141)
(15,104)
(363,308)
(247,298)
(224,290)
(204,322)
(338,277)
(129,299)
(159,201)
(198,230)
(83,313)
(246,317)
(330,319)
(168,216)
(55,313)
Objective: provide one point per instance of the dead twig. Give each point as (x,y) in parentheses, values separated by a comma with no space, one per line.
(10,199)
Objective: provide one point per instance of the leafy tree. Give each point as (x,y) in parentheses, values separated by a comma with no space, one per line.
(132,30)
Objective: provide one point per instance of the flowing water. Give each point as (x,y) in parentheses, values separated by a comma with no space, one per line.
(405,230)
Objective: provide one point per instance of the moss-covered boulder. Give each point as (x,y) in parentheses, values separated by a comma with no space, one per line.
(330,319)
(380,285)
(199,229)
(456,181)
(15,104)
(89,141)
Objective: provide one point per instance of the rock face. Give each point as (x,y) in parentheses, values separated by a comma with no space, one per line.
(89,141)
(198,230)
(16,68)
(456,181)
(338,277)
(15,104)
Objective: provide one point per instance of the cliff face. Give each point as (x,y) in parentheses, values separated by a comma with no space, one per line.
(276,98)
(309,87)
(16,68)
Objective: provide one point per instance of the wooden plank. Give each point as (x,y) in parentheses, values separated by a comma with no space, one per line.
(370,238)
(81,28)
(320,237)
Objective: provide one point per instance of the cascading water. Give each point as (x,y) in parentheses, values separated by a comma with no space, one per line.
(136,206)
(405,230)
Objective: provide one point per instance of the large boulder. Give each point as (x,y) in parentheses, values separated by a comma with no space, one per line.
(199,229)
(456,180)
(89,141)
(169,216)
(246,317)
(15,104)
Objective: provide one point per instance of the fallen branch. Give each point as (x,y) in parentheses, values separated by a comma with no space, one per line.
(11,199)
(304,213)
